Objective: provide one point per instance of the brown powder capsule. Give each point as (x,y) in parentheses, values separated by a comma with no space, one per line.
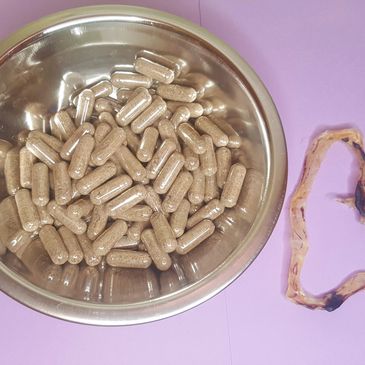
(106,117)
(208,162)
(43,152)
(80,208)
(138,213)
(181,115)
(211,211)
(126,200)
(64,124)
(134,107)
(233,185)
(123,95)
(12,171)
(59,213)
(44,216)
(90,258)
(129,80)
(5,146)
(96,178)
(168,173)
(110,189)
(51,141)
(177,192)
(196,110)
(75,254)
(197,189)
(53,244)
(27,211)
(194,208)
(108,146)
(177,93)
(102,89)
(105,242)
(74,192)
(40,186)
(179,218)
(130,164)
(224,162)
(101,131)
(85,106)
(191,159)
(26,161)
(148,144)
(128,259)
(234,139)
(167,131)
(205,125)
(211,188)
(154,70)
(135,230)
(207,106)
(106,105)
(99,219)
(163,232)
(160,258)
(133,141)
(70,145)
(191,138)
(153,199)
(62,183)
(126,243)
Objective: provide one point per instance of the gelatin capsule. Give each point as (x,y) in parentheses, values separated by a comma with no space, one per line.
(80,208)
(128,259)
(96,178)
(191,159)
(194,208)
(153,199)
(108,146)
(99,219)
(134,107)
(26,161)
(196,110)
(160,158)
(44,216)
(81,157)
(129,80)
(167,131)
(85,106)
(70,145)
(27,211)
(53,244)
(161,59)
(211,188)
(55,131)
(40,186)
(224,161)
(148,144)
(110,189)
(163,232)
(179,218)
(191,138)
(130,164)
(106,105)
(133,141)
(126,200)
(205,125)
(12,171)
(177,93)
(123,95)
(43,152)
(5,146)
(182,64)
(102,89)
(177,192)
(64,124)
(159,257)
(138,213)
(154,70)
(233,185)
(105,242)
(181,115)
(135,230)
(59,213)
(126,243)
(149,115)
(200,82)
(207,106)
(211,211)
(70,241)
(90,258)
(197,190)
(101,131)
(208,162)
(234,139)
(74,192)
(51,141)
(168,173)
(62,183)
(105,117)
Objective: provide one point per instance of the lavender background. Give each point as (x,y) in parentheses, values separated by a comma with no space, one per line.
(310,55)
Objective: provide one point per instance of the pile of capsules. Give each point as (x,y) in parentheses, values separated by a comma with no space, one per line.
(132,171)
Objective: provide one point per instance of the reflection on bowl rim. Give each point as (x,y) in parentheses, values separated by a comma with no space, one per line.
(275,183)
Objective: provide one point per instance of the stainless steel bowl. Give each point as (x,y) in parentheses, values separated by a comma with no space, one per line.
(79,46)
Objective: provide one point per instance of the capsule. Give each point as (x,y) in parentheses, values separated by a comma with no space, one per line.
(207,106)
(40,186)
(133,141)
(233,185)
(194,236)
(126,200)
(65,125)
(138,213)
(70,145)
(234,139)
(211,188)
(130,164)
(102,89)
(59,213)
(75,254)
(177,93)
(126,243)
(168,173)
(62,183)
(182,64)
(205,125)
(51,141)
(179,218)
(163,232)
(5,146)
(53,244)
(95,178)
(110,189)
(80,208)
(74,192)
(128,80)
(43,152)
(191,138)
(191,159)
(224,161)
(160,258)
(55,131)
(99,220)
(148,144)
(135,230)
(153,199)
(26,161)
(211,211)
(105,242)
(167,131)
(123,95)
(197,188)
(128,259)
(85,106)
(160,158)
(154,70)
(181,115)
(44,216)
(194,208)
(106,117)
(134,107)
(106,105)
(27,211)
(196,110)
(12,171)
(208,162)
(90,257)
(101,131)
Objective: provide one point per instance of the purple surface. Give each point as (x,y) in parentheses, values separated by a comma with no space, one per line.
(310,56)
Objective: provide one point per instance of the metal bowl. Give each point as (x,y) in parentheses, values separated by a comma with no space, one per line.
(80,46)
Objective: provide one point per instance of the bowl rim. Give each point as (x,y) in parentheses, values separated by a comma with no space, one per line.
(275,185)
